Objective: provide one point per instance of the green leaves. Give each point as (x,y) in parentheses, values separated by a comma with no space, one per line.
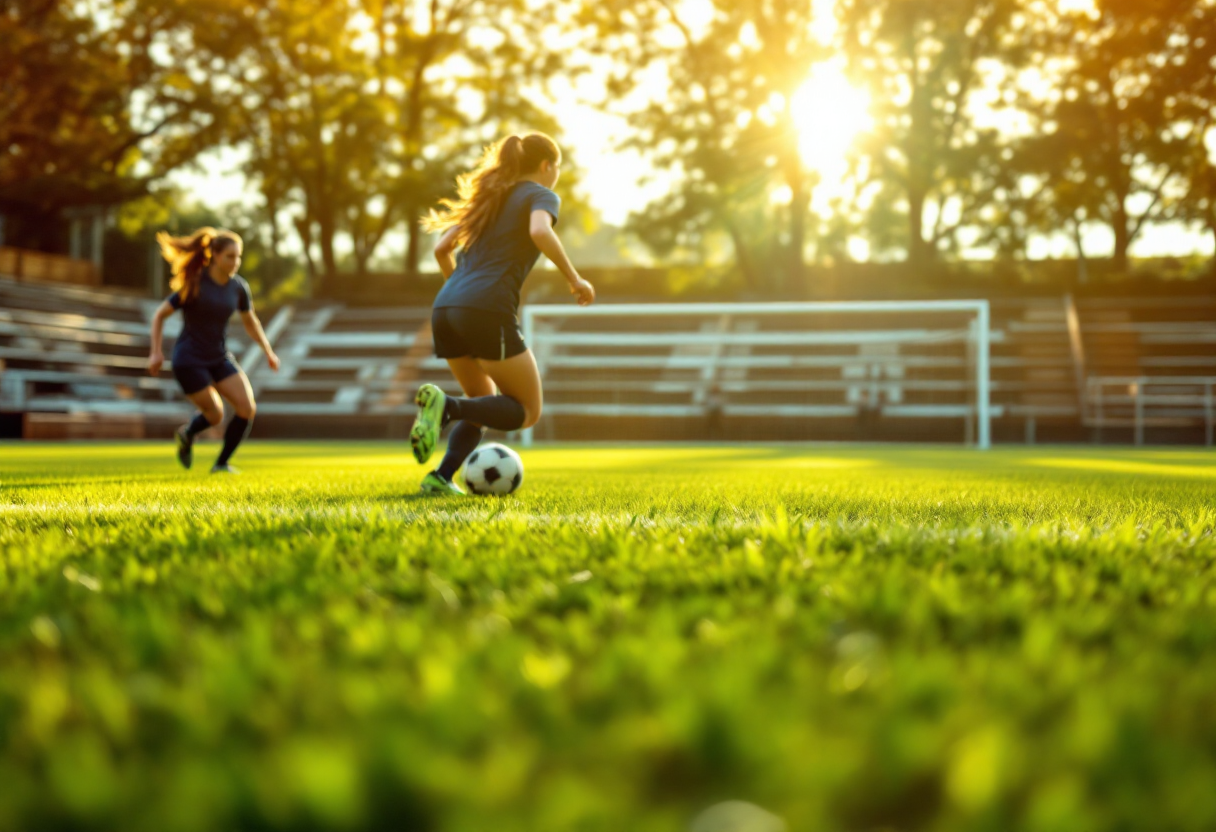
(1119,141)
(692,77)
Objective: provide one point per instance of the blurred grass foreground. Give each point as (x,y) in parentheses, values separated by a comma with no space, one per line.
(846,639)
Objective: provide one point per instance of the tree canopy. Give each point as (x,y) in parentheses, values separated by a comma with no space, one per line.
(991,122)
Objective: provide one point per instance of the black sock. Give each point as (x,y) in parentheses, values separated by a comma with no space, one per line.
(197,425)
(237,430)
(462,441)
(498,412)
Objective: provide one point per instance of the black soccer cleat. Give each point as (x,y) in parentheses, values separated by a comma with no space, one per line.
(185,447)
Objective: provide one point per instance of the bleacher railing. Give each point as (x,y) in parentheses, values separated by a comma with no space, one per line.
(1140,402)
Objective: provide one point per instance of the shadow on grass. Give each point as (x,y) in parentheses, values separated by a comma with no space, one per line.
(87,480)
(416,497)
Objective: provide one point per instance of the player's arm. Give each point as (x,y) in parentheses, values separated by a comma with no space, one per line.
(253,327)
(445,251)
(540,226)
(156,358)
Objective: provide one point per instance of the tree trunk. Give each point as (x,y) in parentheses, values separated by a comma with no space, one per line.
(304,230)
(413,146)
(362,253)
(743,257)
(918,254)
(1119,261)
(274,270)
(1120,221)
(1082,260)
(1212,228)
(413,248)
(918,152)
(329,261)
(799,205)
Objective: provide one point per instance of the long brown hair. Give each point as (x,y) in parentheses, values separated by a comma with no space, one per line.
(482,191)
(188,256)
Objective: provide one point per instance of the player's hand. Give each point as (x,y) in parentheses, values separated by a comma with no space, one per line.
(272,360)
(155,361)
(584,291)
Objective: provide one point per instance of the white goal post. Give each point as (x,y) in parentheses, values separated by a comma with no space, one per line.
(919,358)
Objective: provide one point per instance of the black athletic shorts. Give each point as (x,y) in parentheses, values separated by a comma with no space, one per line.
(195,377)
(460,332)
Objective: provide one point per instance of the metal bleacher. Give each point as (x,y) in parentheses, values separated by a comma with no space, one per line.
(1149,365)
(71,350)
(905,371)
(339,361)
(756,370)
(67,349)
(1073,368)
(1058,368)
(1034,375)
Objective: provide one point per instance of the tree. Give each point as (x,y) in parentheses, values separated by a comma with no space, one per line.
(1188,84)
(359,113)
(461,74)
(316,133)
(272,275)
(89,114)
(1117,135)
(725,122)
(923,62)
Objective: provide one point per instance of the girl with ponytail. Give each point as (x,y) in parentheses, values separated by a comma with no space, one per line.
(501,222)
(207,289)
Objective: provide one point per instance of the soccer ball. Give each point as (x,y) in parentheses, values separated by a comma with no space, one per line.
(493,469)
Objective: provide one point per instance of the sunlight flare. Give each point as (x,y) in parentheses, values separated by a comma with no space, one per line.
(829,113)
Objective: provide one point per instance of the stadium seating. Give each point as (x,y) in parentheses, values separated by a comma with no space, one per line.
(860,375)
(74,349)
(1034,375)
(1149,364)
(1059,369)
(342,361)
(69,350)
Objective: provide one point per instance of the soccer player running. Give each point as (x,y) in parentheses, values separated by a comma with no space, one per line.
(208,290)
(502,221)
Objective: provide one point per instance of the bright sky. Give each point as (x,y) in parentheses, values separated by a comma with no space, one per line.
(617,182)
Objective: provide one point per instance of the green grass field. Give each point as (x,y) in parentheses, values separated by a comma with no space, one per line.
(854,639)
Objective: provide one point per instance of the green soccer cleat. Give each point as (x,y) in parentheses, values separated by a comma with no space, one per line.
(185,447)
(217,468)
(434,483)
(424,435)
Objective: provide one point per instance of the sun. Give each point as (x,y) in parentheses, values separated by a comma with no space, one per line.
(829,114)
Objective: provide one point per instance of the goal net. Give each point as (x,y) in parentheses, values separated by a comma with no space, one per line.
(892,371)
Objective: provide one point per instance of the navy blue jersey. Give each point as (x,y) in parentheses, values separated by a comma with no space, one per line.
(202,342)
(491,273)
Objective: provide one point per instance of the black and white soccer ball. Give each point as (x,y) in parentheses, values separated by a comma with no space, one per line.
(493,469)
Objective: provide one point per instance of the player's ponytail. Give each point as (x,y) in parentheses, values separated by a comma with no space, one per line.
(188,256)
(482,191)
(510,159)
